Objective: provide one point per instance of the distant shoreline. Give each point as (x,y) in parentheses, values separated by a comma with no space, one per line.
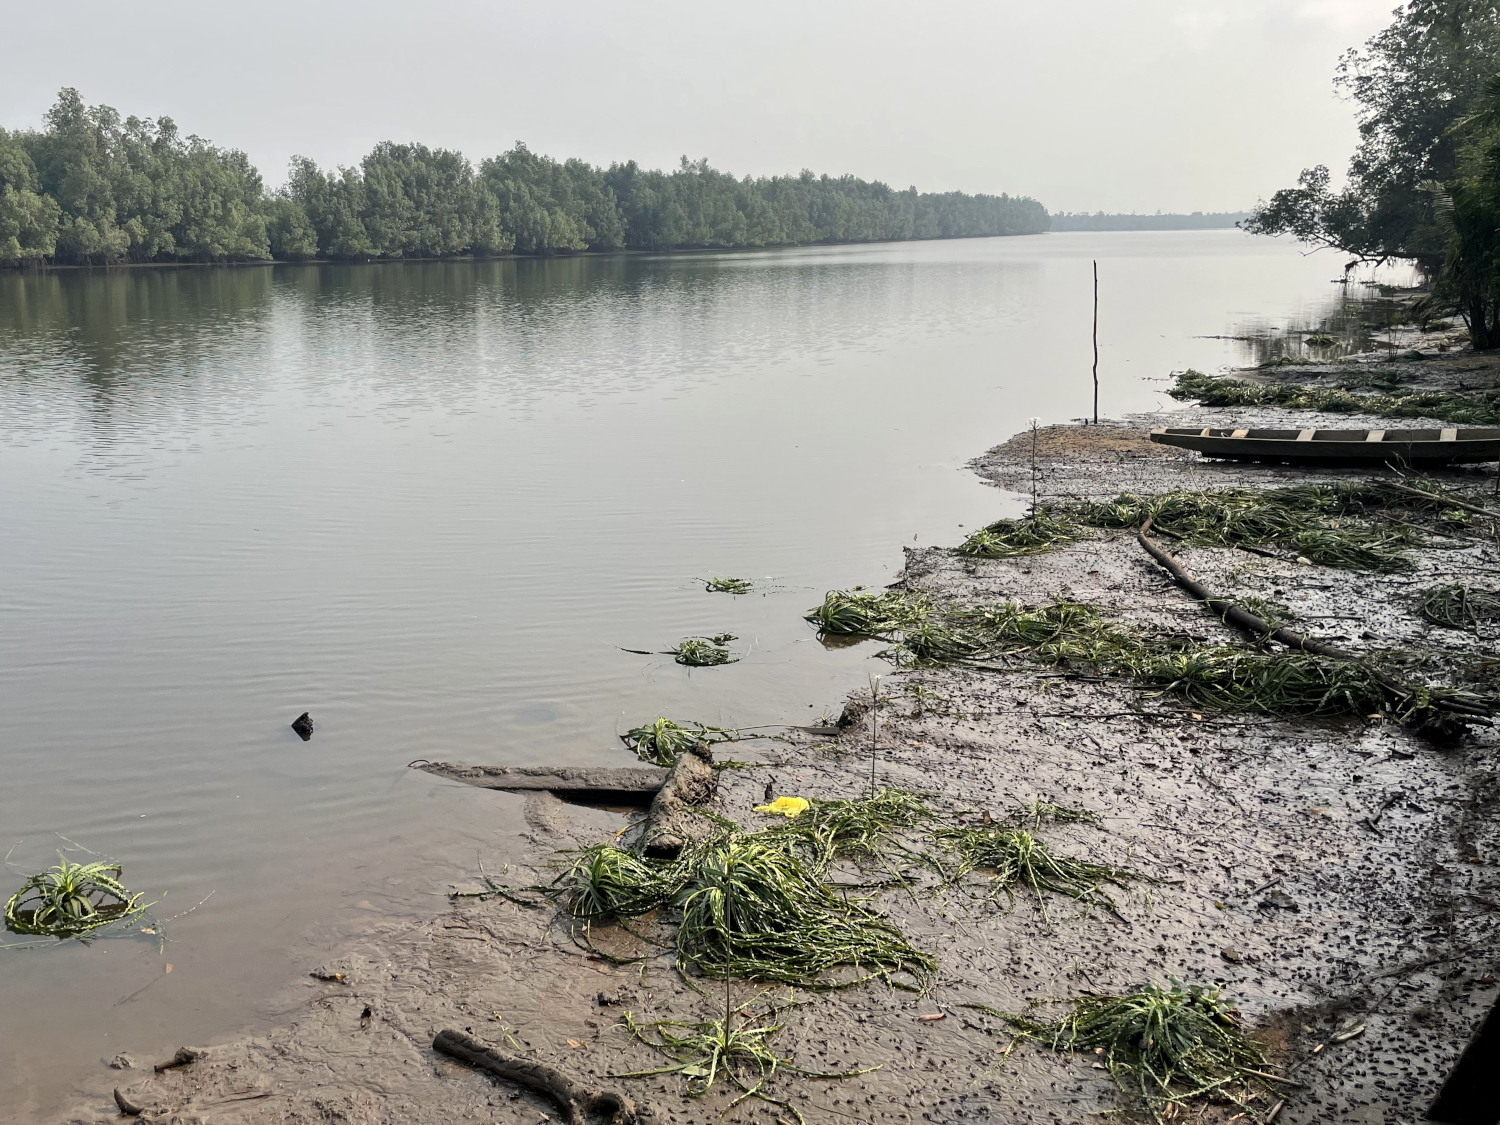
(261,263)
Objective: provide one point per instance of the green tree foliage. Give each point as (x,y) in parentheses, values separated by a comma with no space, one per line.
(1413,82)
(136,190)
(91,188)
(28,219)
(1467,213)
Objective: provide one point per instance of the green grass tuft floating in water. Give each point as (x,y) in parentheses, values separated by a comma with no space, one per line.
(71,900)
(703,652)
(728,585)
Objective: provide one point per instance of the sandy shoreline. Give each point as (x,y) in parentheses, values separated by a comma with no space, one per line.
(1375,842)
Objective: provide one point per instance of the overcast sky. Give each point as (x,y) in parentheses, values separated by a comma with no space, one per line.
(1120,105)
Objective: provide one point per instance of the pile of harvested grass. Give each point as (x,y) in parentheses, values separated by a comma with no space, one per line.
(1073,635)
(754,904)
(754,909)
(71,900)
(1481,408)
(1458,606)
(1008,539)
(661,740)
(1327,524)
(861,613)
(703,652)
(1168,1047)
(1352,526)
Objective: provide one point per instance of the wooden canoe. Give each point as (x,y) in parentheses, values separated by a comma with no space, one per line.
(1339,447)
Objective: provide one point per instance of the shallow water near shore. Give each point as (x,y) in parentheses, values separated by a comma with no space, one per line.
(431,504)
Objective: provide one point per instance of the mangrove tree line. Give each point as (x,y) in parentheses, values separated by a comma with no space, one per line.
(93,188)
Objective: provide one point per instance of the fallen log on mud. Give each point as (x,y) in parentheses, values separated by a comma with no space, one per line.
(672,823)
(621,785)
(1261,630)
(576,1101)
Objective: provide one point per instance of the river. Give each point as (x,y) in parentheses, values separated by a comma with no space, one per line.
(432,503)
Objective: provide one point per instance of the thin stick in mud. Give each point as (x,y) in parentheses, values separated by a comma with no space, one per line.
(1096,342)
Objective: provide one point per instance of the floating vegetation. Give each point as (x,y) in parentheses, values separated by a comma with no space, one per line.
(856,612)
(71,900)
(1458,606)
(1167,1047)
(1018,858)
(661,740)
(700,1052)
(1480,408)
(1008,539)
(1321,340)
(703,652)
(728,585)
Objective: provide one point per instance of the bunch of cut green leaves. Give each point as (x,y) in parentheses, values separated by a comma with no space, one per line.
(863,613)
(1008,539)
(755,905)
(661,740)
(1167,1047)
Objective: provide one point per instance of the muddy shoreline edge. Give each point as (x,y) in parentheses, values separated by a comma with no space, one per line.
(1388,926)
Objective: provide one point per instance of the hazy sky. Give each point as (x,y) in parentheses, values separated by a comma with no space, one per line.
(1173,105)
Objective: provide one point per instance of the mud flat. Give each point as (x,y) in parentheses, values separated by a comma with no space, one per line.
(1338,878)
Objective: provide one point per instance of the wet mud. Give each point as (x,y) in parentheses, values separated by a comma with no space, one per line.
(1342,880)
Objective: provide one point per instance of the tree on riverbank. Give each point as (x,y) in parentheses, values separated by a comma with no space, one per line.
(92,188)
(1412,83)
(1424,184)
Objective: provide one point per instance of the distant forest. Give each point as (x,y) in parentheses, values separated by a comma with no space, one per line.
(91,188)
(1198,220)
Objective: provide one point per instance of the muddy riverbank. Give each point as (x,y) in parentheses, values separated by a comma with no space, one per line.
(1332,876)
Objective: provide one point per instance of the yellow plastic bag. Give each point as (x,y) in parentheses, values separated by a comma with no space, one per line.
(784,806)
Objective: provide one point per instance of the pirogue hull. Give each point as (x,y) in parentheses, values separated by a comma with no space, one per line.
(1339,447)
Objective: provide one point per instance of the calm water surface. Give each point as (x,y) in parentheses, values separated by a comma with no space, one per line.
(429,503)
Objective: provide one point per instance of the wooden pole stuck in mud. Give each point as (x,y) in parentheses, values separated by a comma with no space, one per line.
(1096,341)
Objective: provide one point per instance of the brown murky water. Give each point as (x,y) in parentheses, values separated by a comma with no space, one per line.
(431,504)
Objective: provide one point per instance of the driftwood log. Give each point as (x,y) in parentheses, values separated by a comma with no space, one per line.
(672,823)
(619,785)
(1261,630)
(577,1102)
